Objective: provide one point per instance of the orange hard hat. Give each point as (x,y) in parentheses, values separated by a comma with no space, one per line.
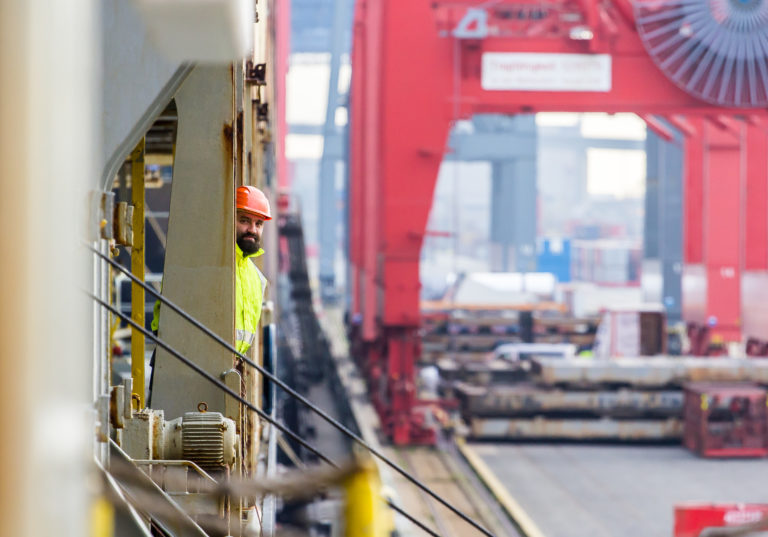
(253,200)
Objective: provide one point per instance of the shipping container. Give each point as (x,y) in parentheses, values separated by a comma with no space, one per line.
(725,419)
(606,261)
(554,256)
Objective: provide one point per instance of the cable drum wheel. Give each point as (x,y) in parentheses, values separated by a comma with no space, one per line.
(715,50)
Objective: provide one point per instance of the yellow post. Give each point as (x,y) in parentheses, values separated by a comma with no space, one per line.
(365,512)
(137,268)
(102,518)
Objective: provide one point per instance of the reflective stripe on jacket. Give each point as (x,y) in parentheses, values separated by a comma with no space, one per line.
(250,284)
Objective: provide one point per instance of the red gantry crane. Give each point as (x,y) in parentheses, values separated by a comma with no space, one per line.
(421,65)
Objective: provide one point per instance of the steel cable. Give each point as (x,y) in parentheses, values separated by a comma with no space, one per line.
(412,519)
(197,324)
(219,384)
(189,363)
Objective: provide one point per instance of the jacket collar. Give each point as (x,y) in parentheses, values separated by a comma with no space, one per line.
(240,255)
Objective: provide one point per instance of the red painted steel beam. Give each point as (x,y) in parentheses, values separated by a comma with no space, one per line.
(754,282)
(637,84)
(683,125)
(694,278)
(373,50)
(756,213)
(713,232)
(658,127)
(355,187)
(412,78)
(282,50)
(724,175)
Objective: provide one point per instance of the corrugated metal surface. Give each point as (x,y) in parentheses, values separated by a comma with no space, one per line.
(654,371)
(582,373)
(526,400)
(576,429)
(484,342)
(483,373)
(606,261)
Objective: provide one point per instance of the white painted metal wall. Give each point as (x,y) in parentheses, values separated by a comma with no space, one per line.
(48,74)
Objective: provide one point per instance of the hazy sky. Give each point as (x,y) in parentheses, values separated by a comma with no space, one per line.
(610,172)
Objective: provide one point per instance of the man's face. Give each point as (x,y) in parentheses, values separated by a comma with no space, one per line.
(248,228)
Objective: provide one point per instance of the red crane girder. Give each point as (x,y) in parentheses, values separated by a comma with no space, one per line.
(420,65)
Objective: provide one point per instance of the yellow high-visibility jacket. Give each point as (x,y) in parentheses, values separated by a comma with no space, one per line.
(250,285)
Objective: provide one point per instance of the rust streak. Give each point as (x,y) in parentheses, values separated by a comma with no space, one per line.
(227,139)
(240,149)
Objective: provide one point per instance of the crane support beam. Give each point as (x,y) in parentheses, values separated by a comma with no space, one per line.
(754,288)
(198,273)
(723,234)
(420,66)
(756,227)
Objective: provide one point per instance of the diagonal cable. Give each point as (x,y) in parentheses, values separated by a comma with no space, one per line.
(197,324)
(413,520)
(229,391)
(189,363)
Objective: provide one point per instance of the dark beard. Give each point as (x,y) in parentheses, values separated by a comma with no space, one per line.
(248,247)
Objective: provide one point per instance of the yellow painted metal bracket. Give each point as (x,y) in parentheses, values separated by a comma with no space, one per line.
(137,268)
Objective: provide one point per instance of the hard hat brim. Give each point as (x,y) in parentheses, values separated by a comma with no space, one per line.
(257,213)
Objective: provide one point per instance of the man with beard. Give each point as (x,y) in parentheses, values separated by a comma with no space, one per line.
(252,211)
(250,284)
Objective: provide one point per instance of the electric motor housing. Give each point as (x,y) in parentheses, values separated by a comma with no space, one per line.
(206,438)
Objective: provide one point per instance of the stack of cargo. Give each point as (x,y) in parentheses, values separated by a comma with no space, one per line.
(578,398)
(606,261)
(471,335)
(469,338)
(726,420)
(632,331)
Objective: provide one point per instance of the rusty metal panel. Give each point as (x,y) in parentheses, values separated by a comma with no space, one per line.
(483,372)
(470,341)
(726,419)
(528,400)
(652,371)
(431,354)
(576,429)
